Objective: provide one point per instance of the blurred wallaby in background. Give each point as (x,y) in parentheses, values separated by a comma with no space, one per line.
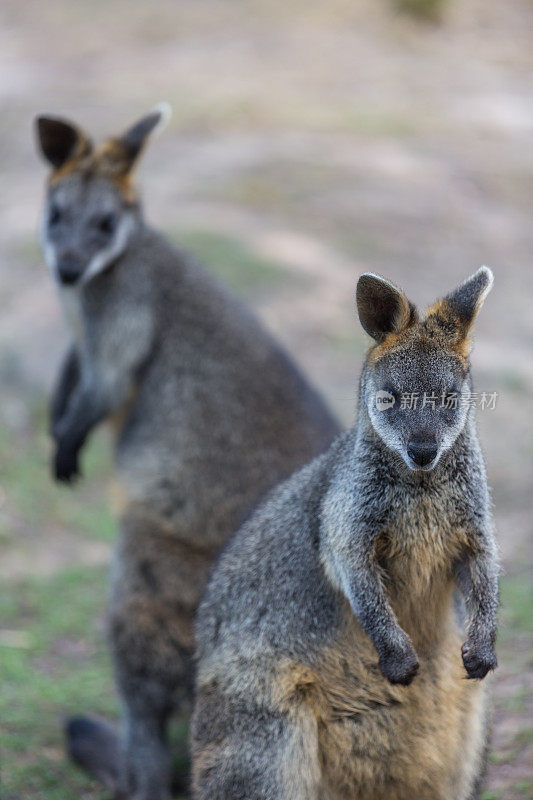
(340,591)
(209,414)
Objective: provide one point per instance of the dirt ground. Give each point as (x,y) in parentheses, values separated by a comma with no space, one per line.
(310,141)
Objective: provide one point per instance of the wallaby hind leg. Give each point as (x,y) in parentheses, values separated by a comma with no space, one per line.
(154,678)
(144,771)
(243,751)
(156,583)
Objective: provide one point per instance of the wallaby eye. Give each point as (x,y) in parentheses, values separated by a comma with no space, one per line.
(454,391)
(55,215)
(107,223)
(393,392)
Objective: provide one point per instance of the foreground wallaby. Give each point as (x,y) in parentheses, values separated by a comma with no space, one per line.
(209,414)
(340,590)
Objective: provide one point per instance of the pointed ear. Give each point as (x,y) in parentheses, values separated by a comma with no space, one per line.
(382,307)
(60,141)
(119,155)
(467,299)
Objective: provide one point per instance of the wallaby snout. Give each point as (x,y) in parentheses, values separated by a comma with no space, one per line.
(422,449)
(69,268)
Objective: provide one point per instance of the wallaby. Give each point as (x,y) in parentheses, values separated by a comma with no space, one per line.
(209,414)
(341,588)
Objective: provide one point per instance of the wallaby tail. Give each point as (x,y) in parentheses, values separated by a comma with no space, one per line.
(93,745)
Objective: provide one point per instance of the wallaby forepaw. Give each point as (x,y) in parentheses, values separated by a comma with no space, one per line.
(399,667)
(478,660)
(66,467)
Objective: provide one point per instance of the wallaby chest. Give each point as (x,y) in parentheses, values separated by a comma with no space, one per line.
(72,308)
(422,536)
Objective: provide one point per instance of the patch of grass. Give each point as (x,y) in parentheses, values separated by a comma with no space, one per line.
(517,603)
(242,270)
(424,10)
(524,788)
(490,794)
(62,669)
(524,736)
(54,657)
(516,702)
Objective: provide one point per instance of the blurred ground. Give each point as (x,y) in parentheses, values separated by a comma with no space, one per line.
(309,142)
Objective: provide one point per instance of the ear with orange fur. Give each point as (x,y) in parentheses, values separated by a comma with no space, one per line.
(119,155)
(467,299)
(382,307)
(61,141)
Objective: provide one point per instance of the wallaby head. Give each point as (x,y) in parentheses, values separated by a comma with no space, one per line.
(416,379)
(91,208)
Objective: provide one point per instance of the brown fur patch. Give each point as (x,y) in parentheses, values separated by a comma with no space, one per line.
(381,741)
(443,323)
(109,161)
(441,327)
(112,161)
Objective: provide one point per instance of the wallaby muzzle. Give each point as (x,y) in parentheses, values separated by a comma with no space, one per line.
(69,268)
(422,449)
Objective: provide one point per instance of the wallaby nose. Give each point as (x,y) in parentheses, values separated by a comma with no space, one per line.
(422,450)
(69,268)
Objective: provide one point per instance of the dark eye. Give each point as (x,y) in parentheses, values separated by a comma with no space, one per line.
(107,223)
(55,215)
(392,392)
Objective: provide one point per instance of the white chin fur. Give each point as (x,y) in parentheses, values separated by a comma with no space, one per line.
(49,252)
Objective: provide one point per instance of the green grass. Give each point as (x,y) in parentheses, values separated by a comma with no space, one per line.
(238,267)
(62,668)
(53,654)
(54,659)
(424,10)
(516,594)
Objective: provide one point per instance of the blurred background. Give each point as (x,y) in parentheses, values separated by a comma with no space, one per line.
(310,141)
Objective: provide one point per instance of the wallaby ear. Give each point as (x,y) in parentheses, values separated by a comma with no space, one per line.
(120,154)
(382,307)
(468,298)
(60,141)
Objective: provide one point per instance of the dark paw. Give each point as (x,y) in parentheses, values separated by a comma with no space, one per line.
(66,467)
(478,660)
(399,666)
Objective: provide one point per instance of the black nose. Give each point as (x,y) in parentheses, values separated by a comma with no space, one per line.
(422,451)
(69,269)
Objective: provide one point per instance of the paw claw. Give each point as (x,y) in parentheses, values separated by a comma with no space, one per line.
(478,661)
(400,668)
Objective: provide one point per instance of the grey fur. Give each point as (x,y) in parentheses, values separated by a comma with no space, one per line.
(338,591)
(210,414)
